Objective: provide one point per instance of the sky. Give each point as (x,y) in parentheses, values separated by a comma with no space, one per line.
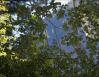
(63,1)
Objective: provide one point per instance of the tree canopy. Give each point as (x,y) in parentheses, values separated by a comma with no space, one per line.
(27,53)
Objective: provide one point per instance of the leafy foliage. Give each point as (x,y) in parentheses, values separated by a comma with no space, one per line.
(29,53)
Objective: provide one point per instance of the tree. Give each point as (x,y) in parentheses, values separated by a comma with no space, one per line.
(30,55)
